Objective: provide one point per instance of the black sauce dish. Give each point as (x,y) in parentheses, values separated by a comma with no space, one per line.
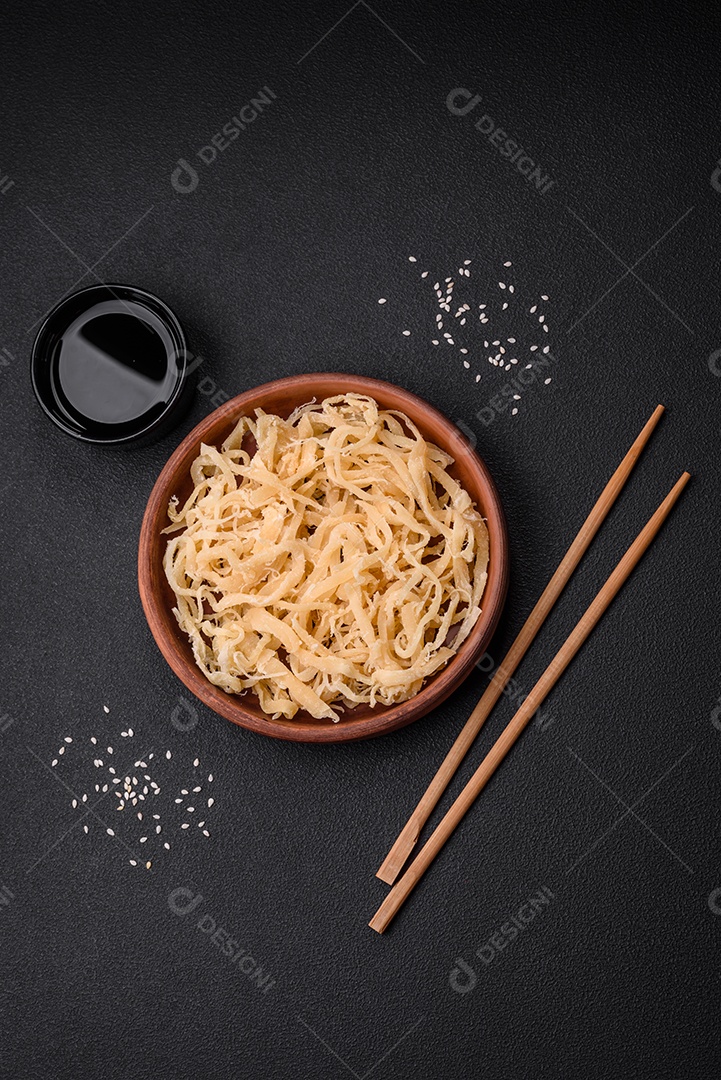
(110,365)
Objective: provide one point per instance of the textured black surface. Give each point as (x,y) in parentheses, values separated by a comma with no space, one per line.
(274,263)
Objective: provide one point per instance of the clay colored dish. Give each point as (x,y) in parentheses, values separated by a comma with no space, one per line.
(281,397)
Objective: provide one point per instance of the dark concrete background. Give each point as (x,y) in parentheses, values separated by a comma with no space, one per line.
(274,263)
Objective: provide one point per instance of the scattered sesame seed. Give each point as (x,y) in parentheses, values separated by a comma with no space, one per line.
(412,258)
(544,298)
(61,750)
(106,709)
(185,825)
(382,300)
(210,778)
(85,828)
(132,862)
(546,382)
(508,264)
(53,763)
(513,412)
(501,285)
(167,847)
(148,865)
(406,333)
(205,832)
(110,832)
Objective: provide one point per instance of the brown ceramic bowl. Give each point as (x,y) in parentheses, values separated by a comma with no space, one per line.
(281,397)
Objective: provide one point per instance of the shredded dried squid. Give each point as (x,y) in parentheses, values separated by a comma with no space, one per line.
(332,563)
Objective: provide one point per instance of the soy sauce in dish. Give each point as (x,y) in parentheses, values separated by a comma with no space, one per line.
(109,363)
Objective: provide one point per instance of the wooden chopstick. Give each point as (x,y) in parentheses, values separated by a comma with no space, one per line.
(401,890)
(407,838)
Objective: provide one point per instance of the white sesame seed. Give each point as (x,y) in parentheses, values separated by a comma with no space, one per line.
(547,349)
(504,307)
(190,809)
(148,865)
(545,328)
(130,732)
(546,382)
(511,288)
(74,803)
(532,311)
(185,825)
(412,258)
(93,740)
(508,264)
(501,285)
(210,778)
(434,342)
(158,828)
(132,862)
(61,751)
(533,348)
(478,378)
(85,828)
(210,802)
(513,412)
(110,832)
(68,739)
(168,755)
(544,298)
(382,300)
(167,846)
(541,318)
(53,763)
(466,364)
(464,351)
(106,709)
(205,832)
(406,333)
(84,798)
(196,789)
(143,839)
(110,749)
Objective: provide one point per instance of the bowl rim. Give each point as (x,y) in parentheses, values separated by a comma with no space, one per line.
(389,718)
(39,358)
